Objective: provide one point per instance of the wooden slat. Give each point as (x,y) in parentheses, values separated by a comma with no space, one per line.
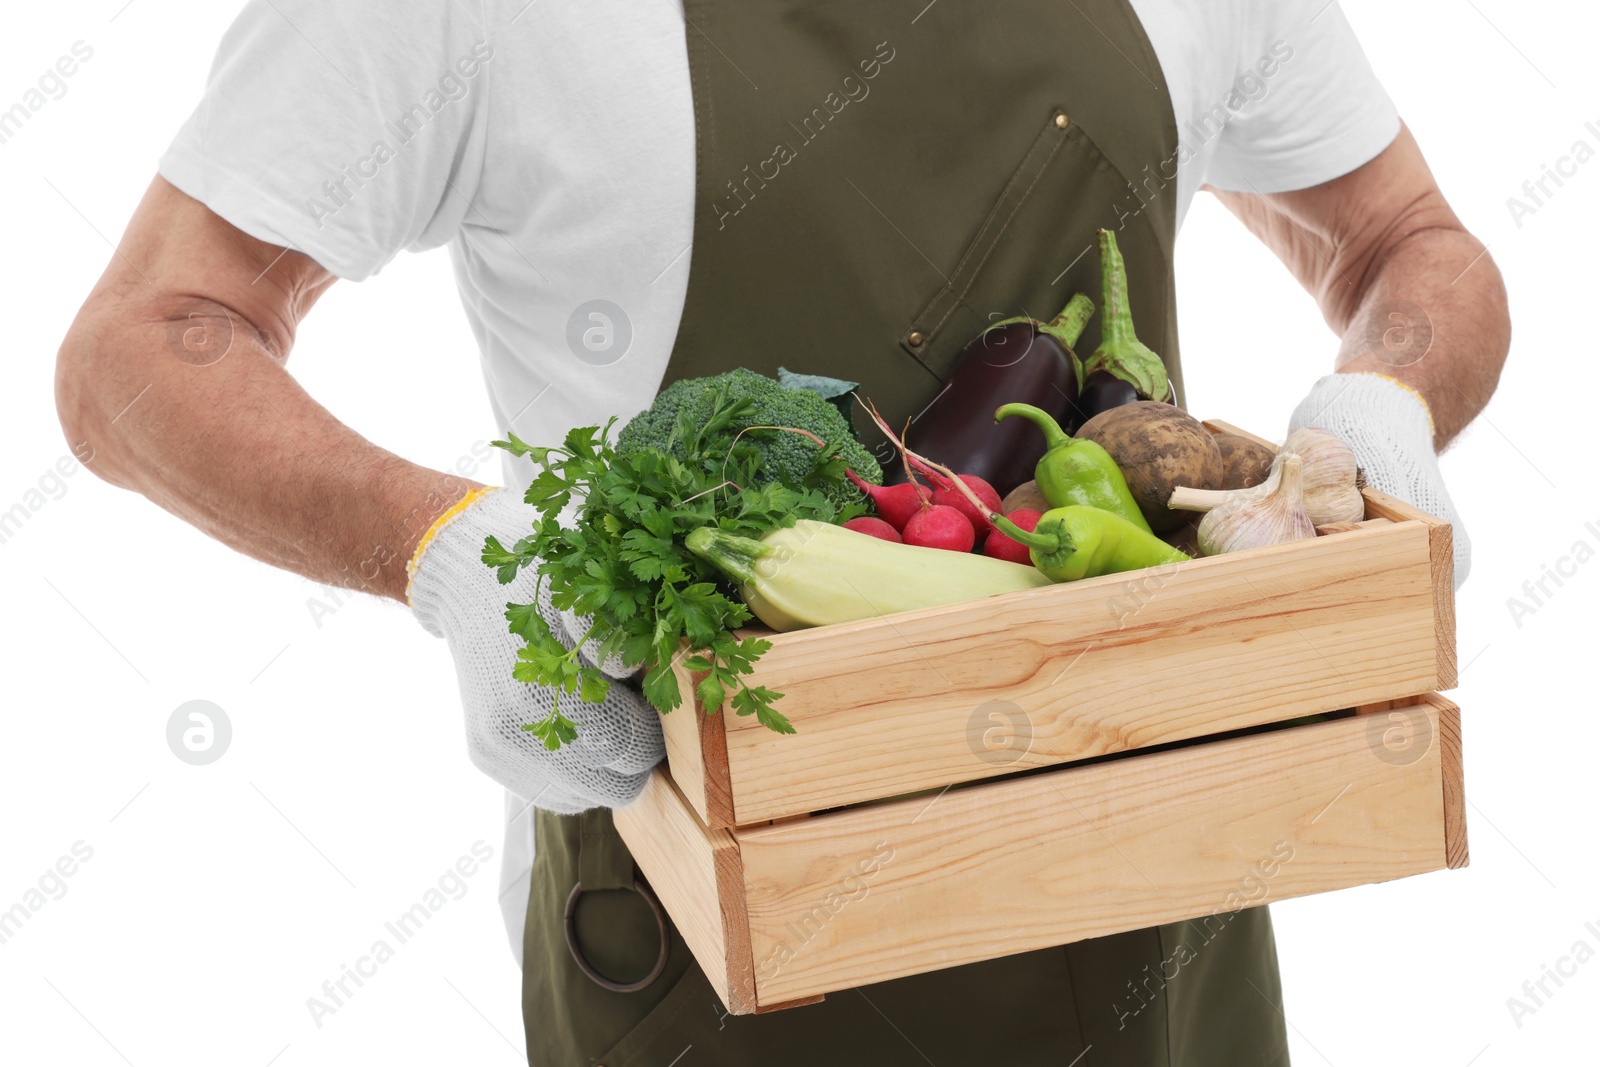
(1345,527)
(1383,505)
(1455,782)
(891,706)
(1051,858)
(698,754)
(764,1009)
(1441,557)
(1218,426)
(1440,554)
(680,730)
(697,875)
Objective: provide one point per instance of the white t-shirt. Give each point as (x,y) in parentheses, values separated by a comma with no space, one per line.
(551,146)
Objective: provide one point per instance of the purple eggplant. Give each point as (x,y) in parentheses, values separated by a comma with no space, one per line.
(1018,360)
(1122,370)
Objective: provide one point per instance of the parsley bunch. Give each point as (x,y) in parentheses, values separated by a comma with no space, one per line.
(624,563)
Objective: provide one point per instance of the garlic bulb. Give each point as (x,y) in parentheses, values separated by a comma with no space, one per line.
(1272,514)
(1331,481)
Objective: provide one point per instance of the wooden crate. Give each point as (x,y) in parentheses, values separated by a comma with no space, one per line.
(1098,756)
(781,914)
(925,699)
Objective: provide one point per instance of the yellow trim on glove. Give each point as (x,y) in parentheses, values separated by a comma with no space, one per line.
(472,497)
(1410,389)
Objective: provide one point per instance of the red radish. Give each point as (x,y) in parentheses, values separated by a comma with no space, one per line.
(937,526)
(998,546)
(947,494)
(895,503)
(872,527)
(950,496)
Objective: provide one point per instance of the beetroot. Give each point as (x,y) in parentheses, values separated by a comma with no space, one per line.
(895,503)
(998,546)
(939,526)
(874,527)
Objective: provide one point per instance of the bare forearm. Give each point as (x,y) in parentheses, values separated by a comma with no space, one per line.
(239,450)
(173,377)
(1409,291)
(1434,316)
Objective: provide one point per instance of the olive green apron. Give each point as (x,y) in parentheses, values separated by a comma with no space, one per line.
(874,184)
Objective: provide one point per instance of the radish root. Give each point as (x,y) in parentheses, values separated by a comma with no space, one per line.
(938,468)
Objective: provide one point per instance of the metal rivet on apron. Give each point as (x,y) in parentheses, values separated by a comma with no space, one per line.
(1062,120)
(914,339)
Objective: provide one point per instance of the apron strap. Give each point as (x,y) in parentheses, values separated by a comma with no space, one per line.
(604,862)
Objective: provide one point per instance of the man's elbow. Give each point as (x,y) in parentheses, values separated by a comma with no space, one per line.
(84,382)
(1497,326)
(1480,279)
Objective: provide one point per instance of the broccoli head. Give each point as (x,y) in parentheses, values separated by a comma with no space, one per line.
(788,458)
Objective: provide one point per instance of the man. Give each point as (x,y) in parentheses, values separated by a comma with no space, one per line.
(634,194)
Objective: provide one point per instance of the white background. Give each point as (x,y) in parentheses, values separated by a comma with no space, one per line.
(220,898)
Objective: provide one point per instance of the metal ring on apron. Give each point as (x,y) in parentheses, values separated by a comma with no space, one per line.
(570,928)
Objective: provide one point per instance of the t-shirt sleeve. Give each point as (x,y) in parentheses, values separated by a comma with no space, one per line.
(1322,111)
(345,131)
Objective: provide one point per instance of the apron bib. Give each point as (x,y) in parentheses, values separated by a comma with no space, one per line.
(874,186)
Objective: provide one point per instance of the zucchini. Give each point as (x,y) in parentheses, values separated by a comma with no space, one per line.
(815,573)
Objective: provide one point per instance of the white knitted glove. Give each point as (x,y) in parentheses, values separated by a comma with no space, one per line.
(1389,428)
(455,596)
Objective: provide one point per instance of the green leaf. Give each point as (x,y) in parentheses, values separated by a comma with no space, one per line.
(827,388)
(661,687)
(636,648)
(649,556)
(827,468)
(554,730)
(623,559)
(711,693)
(621,606)
(741,655)
(506,563)
(593,686)
(850,511)
(526,622)
(700,608)
(543,662)
(548,492)
(757,701)
(517,446)
(580,441)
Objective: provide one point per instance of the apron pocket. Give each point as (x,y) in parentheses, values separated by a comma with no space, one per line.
(991,280)
(689,1010)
